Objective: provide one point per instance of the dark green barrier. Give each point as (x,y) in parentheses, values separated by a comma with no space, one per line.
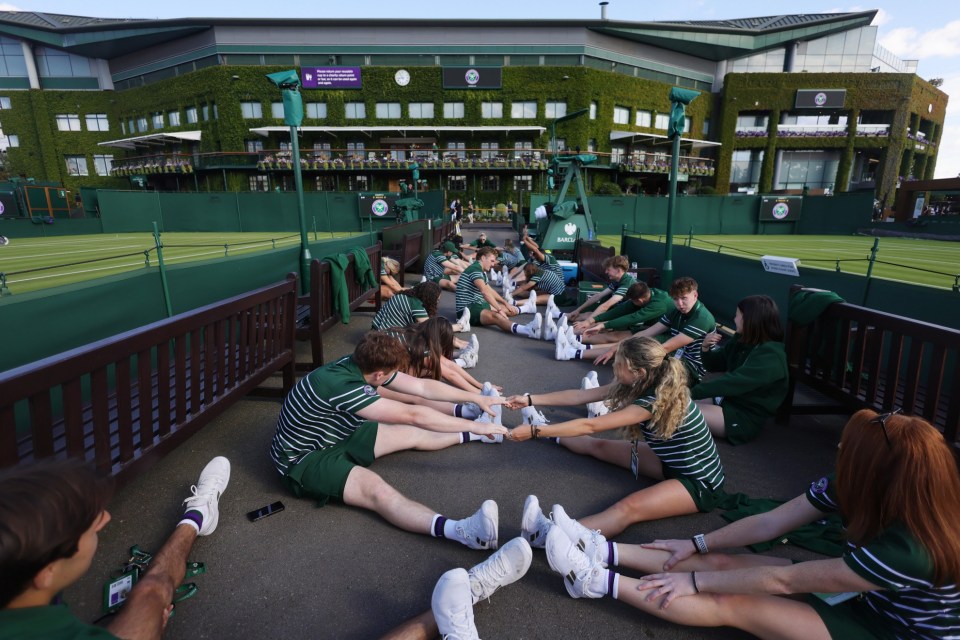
(14,228)
(129,211)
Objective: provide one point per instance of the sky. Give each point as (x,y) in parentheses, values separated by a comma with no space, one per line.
(928,31)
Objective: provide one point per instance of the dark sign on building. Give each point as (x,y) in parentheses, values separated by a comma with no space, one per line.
(472,77)
(820,98)
(780,209)
(331,78)
(377,205)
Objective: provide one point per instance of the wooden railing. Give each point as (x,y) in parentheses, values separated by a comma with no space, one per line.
(590,258)
(316,314)
(861,358)
(125,401)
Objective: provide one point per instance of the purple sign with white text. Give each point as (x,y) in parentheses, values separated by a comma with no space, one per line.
(331,78)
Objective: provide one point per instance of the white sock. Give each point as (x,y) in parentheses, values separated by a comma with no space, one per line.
(615,560)
(616,586)
(461,362)
(520,329)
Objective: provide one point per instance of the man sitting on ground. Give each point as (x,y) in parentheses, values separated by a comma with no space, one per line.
(479,243)
(641,309)
(442,267)
(50,515)
(334,424)
(615,268)
(489,307)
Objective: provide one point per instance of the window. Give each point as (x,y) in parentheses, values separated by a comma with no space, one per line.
(358,183)
(745,169)
(191,115)
(523,110)
(325,183)
(102,164)
(591,145)
(355,150)
(68,122)
(706,127)
(456,183)
(489,150)
(561,144)
(593,110)
(249,110)
(173,117)
(643,118)
(662,121)
(621,115)
(452,109)
(142,124)
(491,109)
(321,151)
(259,183)
(388,110)
(524,183)
(317,110)
(522,148)
(616,153)
(54,63)
(205,110)
(687,124)
(13,140)
(253,146)
(4,102)
(355,110)
(490,183)
(456,150)
(76,166)
(555,110)
(97,122)
(276,110)
(130,127)
(420,109)
(158,120)
(216,114)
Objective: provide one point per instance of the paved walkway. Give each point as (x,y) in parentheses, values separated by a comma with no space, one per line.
(343,573)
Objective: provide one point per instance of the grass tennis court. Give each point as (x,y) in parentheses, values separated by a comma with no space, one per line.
(93,256)
(821,252)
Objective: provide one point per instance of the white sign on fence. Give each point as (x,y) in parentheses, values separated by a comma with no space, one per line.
(779,264)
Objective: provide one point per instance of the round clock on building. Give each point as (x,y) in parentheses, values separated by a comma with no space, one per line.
(402,77)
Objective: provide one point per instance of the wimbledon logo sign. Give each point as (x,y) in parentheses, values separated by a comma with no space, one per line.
(472,76)
(780,210)
(820,99)
(380,207)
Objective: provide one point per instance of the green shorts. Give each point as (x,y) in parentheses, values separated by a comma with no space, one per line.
(323,474)
(439,278)
(739,427)
(842,620)
(475,309)
(703,498)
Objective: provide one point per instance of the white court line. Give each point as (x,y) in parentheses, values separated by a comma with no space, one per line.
(65,253)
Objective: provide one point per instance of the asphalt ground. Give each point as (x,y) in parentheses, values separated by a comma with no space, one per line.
(340,572)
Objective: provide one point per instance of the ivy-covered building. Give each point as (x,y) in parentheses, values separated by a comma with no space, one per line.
(788,102)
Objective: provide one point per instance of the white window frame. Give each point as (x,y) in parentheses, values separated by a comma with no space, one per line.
(662,122)
(388,111)
(555,109)
(248,111)
(644,118)
(156,119)
(420,110)
(317,110)
(355,110)
(491,110)
(523,109)
(173,117)
(143,125)
(5,102)
(192,115)
(102,164)
(593,110)
(68,122)
(97,122)
(621,115)
(453,110)
(77,165)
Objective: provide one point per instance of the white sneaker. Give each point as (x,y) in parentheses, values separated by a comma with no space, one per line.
(582,577)
(479,531)
(474,344)
(452,605)
(504,567)
(562,323)
(530,306)
(585,383)
(468,359)
(564,352)
(206,493)
(534,327)
(464,321)
(489,390)
(495,438)
(561,338)
(552,309)
(509,298)
(591,542)
(534,526)
(593,378)
(549,326)
(532,416)
(596,409)
(423,278)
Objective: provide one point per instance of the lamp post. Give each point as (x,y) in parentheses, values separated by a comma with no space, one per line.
(679,98)
(289,84)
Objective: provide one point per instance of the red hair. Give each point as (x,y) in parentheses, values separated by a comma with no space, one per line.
(912,480)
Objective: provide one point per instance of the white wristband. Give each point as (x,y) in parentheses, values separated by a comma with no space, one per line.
(700,543)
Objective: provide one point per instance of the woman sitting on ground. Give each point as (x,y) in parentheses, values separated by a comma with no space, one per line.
(897,489)
(434,340)
(389,287)
(668,440)
(412,306)
(737,403)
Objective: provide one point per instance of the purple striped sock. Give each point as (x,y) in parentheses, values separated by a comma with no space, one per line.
(464,436)
(611,576)
(438,526)
(193,516)
(458,410)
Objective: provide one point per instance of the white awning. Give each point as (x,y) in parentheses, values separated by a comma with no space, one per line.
(403,131)
(153,140)
(657,138)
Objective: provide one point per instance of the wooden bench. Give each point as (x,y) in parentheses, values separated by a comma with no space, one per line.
(406,253)
(441,233)
(590,258)
(315,312)
(125,401)
(861,358)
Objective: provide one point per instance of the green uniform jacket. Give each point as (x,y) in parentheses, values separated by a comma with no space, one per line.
(363,269)
(753,388)
(626,316)
(340,294)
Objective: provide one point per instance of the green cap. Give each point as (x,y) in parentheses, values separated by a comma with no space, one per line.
(449,246)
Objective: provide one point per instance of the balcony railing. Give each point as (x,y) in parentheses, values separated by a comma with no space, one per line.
(873,130)
(656,163)
(163,163)
(751,132)
(812,130)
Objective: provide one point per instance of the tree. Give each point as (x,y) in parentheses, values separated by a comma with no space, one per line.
(936,82)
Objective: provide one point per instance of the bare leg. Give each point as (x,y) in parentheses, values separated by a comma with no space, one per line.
(421,627)
(455,375)
(367,490)
(488,317)
(401,437)
(768,617)
(635,556)
(613,451)
(148,608)
(663,500)
(445,408)
(606,337)
(714,417)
